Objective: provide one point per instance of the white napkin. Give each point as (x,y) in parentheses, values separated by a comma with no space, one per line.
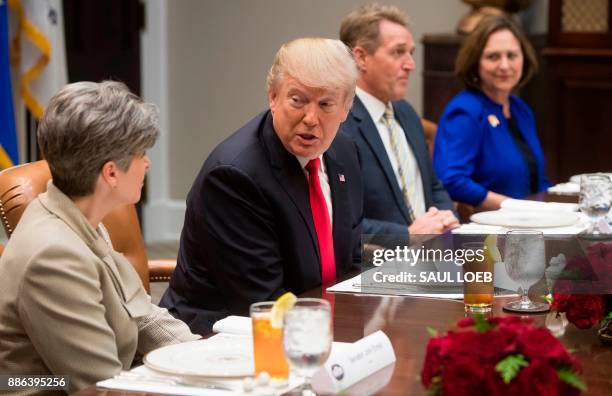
(522,204)
(234,325)
(166,389)
(565,188)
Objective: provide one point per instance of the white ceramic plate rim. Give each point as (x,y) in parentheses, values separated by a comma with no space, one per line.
(151,359)
(503,218)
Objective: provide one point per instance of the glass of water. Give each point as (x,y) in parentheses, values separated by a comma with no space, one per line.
(307,338)
(595,197)
(525,264)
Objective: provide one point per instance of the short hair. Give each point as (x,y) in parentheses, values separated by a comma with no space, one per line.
(468,60)
(87,124)
(361,27)
(315,62)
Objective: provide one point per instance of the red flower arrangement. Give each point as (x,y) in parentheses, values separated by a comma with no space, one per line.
(499,356)
(575,293)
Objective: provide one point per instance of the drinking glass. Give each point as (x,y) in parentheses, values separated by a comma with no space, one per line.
(268,343)
(477,294)
(595,197)
(307,337)
(525,263)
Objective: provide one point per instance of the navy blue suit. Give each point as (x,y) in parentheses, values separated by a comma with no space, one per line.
(248,234)
(384,209)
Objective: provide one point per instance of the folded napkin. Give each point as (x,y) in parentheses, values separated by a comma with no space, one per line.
(565,188)
(522,204)
(234,325)
(156,385)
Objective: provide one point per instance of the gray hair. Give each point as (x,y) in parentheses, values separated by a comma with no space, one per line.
(87,124)
(317,63)
(361,27)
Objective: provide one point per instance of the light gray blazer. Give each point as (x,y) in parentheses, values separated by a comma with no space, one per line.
(71,305)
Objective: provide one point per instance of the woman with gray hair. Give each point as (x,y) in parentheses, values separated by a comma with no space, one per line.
(71,305)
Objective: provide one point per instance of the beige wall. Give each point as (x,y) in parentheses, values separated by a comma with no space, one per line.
(219,53)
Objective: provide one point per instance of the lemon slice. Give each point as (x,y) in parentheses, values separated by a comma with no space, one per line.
(491,251)
(282,305)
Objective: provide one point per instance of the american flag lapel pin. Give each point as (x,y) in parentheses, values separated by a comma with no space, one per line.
(341,178)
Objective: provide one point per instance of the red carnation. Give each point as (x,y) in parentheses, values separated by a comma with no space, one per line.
(539,378)
(464,376)
(539,343)
(434,360)
(600,257)
(585,310)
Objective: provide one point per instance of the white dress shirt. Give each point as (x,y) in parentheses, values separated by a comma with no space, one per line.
(324,180)
(414,183)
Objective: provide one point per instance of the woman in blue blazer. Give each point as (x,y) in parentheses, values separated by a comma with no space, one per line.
(487,147)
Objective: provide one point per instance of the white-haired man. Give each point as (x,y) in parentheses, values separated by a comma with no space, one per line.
(278,205)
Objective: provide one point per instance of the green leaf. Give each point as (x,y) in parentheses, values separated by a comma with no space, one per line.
(431,331)
(607,319)
(509,367)
(568,376)
(481,324)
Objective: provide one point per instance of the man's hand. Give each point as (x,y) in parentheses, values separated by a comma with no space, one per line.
(434,222)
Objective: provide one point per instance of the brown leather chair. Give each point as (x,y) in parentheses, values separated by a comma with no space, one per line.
(20,184)
(429,128)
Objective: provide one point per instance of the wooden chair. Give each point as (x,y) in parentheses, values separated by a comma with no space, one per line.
(20,184)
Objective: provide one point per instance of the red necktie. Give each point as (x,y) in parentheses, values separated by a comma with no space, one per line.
(320,215)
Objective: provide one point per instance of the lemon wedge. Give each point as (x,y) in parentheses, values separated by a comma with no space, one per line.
(282,305)
(491,252)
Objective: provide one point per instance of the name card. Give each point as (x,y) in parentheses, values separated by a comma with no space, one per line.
(350,363)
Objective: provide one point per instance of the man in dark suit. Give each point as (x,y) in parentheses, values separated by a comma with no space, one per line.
(278,205)
(402,194)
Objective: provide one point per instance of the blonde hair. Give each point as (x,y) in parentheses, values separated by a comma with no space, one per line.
(361,27)
(317,63)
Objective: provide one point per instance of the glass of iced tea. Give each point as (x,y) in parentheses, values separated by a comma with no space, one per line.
(478,278)
(268,343)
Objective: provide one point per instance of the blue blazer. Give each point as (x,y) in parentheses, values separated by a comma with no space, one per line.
(384,209)
(248,234)
(473,155)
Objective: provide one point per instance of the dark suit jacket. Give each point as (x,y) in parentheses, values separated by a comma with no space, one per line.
(248,234)
(384,209)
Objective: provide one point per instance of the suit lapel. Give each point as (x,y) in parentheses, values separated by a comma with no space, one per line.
(290,175)
(340,200)
(368,130)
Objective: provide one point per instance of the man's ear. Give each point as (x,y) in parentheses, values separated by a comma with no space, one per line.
(109,173)
(272,100)
(360,55)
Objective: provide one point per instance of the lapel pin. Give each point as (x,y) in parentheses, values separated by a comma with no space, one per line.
(493,120)
(341,177)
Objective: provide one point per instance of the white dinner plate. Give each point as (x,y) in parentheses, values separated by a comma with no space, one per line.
(576,178)
(204,358)
(525,219)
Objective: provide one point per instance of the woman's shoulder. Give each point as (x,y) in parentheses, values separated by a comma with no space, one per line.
(466,103)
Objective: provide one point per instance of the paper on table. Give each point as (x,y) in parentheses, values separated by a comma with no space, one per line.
(523,204)
(353,285)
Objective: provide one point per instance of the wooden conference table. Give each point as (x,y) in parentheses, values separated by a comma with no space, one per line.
(404,320)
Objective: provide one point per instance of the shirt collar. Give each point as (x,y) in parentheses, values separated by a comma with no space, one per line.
(373,105)
(304,161)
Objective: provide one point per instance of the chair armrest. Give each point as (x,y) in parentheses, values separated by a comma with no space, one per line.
(161,270)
